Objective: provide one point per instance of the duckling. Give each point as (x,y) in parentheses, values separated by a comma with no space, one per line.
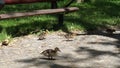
(43,34)
(5,42)
(110,31)
(69,36)
(50,53)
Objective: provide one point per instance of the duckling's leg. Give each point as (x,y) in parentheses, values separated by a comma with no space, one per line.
(49,58)
(68,39)
(53,58)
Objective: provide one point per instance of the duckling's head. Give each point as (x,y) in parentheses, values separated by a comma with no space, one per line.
(57,49)
(45,32)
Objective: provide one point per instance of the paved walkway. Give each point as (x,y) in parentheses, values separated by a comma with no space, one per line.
(85,51)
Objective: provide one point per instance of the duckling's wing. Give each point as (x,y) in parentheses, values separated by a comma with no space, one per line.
(47,52)
(41,38)
(52,52)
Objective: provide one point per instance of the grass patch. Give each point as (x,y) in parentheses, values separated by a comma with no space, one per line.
(92,15)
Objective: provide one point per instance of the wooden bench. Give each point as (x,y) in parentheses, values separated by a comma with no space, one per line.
(53,10)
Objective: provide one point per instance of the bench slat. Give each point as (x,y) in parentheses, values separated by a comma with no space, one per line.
(38,12)
(25,1)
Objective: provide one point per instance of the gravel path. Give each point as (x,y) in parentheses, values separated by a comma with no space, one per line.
(85,51)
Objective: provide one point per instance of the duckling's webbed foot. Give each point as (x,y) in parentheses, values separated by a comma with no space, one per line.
(51,58)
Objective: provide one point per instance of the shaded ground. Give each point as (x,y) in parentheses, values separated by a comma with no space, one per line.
(85,51)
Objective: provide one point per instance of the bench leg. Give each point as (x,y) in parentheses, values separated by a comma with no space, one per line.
(60,16)
(60,22)
(54,5)
(60,19)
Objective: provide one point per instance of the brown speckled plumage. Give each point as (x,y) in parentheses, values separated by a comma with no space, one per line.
(5,42)
(50,53)
(69,36)
(42,35)
(110,31)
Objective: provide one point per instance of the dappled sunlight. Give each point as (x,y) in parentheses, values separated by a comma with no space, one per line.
(91,47)
(74,54)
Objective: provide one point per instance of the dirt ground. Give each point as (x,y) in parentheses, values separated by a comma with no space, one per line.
(83,51)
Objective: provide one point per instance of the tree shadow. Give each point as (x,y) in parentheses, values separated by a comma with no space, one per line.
(1,28)
(96,53)
(107,6)
(114,43)
(92,16)
(104,34)
(71,61)
(25,7)
(27,28)
(38,62)
(95,17)
(32,27)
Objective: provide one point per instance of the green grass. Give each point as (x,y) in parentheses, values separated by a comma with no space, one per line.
(92,15)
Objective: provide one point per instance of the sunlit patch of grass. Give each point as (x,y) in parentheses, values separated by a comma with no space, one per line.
(4,35)
(92,15)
